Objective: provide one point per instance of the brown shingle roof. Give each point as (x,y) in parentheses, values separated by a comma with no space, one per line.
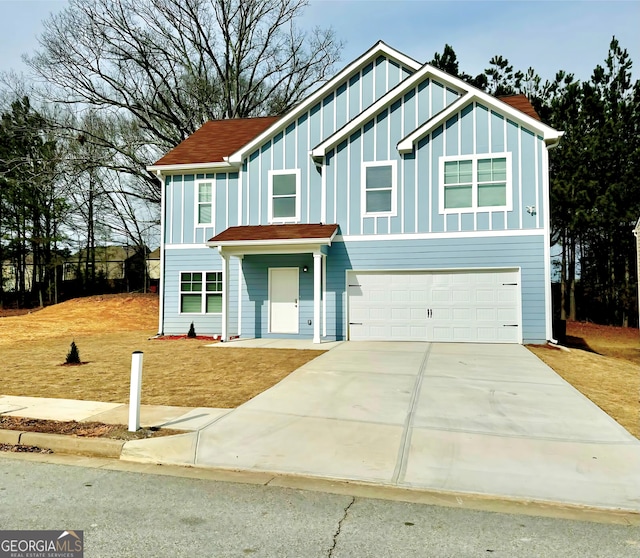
(275,233)
(521,103)
(216,139)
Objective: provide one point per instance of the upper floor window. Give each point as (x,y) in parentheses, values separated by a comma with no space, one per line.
(474,183)
(284,195)
(201,293)
(379,185)
(205,203)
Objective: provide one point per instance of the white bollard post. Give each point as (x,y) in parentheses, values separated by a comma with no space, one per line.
(136,389)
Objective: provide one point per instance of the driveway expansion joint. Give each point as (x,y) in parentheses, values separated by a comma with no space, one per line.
(405,442)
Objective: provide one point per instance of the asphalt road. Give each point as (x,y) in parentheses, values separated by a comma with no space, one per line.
(138,515)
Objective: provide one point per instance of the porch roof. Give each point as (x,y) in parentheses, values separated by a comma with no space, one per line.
(274,239)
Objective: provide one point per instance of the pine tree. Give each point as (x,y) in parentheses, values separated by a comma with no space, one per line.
(73,356)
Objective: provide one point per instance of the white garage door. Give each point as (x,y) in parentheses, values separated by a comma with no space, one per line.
(462,306)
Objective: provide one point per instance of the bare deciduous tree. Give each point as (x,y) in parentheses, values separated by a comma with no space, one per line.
(171,65)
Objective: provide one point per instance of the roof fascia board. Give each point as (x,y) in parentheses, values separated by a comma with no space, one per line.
(405,145)
(376,50)
(273,248)
(191,166)
(550,135)
(273,242)
(387,99)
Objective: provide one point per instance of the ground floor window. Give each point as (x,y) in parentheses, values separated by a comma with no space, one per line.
(201,292)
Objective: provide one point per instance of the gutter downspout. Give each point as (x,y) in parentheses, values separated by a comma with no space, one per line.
(547,242)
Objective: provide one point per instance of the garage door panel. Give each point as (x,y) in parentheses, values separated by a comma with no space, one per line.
(464,306)
(461,334)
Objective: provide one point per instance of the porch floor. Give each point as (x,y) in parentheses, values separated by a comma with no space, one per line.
(271,343)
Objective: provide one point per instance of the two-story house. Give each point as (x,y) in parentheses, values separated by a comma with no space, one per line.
(395,203)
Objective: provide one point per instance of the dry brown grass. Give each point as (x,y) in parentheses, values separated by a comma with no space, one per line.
(107,329)
(604,364)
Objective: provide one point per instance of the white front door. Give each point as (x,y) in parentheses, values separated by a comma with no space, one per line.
(283,299)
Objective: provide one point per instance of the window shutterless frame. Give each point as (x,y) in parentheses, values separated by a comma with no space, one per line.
(379,188)
(284,196)
(475,183)
(204,202)
(200,292)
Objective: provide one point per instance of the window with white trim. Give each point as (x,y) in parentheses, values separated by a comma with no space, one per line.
(204,209)
(201,292)
(379,184)
(284,195)
(475,183)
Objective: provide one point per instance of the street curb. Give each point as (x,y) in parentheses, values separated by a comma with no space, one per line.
(10,437)
(63,443)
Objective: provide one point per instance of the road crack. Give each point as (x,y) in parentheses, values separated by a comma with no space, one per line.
(337,533)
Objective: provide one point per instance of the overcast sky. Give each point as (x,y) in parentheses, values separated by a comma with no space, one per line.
(546,35)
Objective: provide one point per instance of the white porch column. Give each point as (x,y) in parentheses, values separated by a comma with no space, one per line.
(240,277)
(225,297)
(317,275)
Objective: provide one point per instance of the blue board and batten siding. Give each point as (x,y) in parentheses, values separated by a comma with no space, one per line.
(524,252)
(332,193)
(474,130)
(203,260)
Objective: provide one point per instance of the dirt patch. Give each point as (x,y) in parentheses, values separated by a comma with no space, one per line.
(82,429)
(23,449)
(107,329)
(604,364)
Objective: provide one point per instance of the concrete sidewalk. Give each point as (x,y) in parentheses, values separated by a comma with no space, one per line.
(158,416)
(487,420)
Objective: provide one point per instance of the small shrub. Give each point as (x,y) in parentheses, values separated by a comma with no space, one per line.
(73,356)
(192,332)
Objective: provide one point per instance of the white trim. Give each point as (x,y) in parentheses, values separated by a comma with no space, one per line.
(196,199)
(371,112)
(272,241)
(269,249)
(173,206)
(551,136)
(376,50)
(324,295)
(240,278)
(318,261)
(192,167)
(455,84)
(474,208)
(438,236)
(182,212)
(225,297)
(202,245)
(547,247)
(240,194)
(537,181)
(394,188)
(203,293)
(520,177)
(348,188)
(296,217)
(163,208)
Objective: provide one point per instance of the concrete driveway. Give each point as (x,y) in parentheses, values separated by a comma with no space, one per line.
(487,419)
